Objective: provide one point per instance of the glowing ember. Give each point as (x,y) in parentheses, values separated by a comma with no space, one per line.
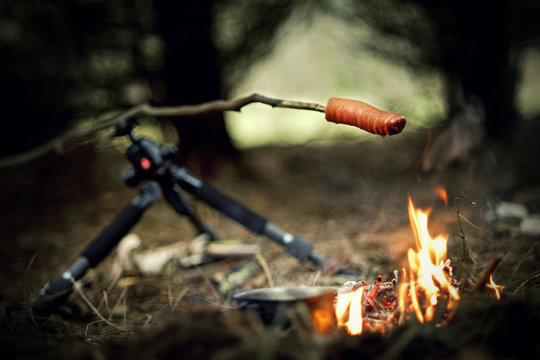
(496,288)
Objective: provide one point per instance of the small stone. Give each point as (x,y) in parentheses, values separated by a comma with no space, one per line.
(531,225)
(511,210)
(507,210)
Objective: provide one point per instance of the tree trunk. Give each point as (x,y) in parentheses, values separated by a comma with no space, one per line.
(476,55)
(192,75)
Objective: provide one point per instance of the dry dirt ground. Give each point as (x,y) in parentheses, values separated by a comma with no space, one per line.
(348,199)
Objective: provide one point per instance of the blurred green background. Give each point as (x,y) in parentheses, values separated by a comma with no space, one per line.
(66,63)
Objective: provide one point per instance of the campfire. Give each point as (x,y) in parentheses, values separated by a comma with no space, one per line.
(426,290)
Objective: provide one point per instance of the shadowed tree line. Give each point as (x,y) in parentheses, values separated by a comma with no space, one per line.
(61,61)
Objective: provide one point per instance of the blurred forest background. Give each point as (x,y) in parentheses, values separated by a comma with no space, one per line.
(64,63)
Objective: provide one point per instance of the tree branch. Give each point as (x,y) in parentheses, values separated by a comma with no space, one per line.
(60,142)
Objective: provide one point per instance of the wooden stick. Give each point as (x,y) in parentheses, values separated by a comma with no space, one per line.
(60,142)
(484,276)
(375,288)
(215,249)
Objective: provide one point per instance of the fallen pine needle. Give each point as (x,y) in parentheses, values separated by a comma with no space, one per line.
(266,269)
(78,290)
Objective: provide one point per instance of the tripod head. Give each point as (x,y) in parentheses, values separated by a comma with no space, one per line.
(149,160)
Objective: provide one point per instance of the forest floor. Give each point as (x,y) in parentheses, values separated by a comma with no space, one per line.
(349,200)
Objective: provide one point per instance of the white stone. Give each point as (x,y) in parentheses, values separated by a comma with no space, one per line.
(531,225)
(511,210)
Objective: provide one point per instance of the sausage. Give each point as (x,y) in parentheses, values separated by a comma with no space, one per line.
(362,115)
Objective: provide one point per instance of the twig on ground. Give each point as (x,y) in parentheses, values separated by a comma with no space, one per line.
(468,221)
(169,296)
(114,281)
(122,296)
(60,142)
(88,327)
(525,282)
(521,261)
(466,254)
(179,298)
(266,269)
(78,290)
(316,279)
(466,250)
(106,302)
(212,288)
(484,276)
(27,271)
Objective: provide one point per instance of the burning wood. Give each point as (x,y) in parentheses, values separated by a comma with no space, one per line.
(485,275)
(426,286)
(381,306)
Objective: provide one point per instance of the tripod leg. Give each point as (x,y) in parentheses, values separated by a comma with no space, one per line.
(294,245)
(57,291)
(180,204)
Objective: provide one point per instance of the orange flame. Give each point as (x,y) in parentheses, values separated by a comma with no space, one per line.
(426,268)
(348,310)
(419,290)
(497,289)
(442,194)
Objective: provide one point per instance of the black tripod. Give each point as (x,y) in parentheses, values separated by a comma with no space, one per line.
(152,167)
